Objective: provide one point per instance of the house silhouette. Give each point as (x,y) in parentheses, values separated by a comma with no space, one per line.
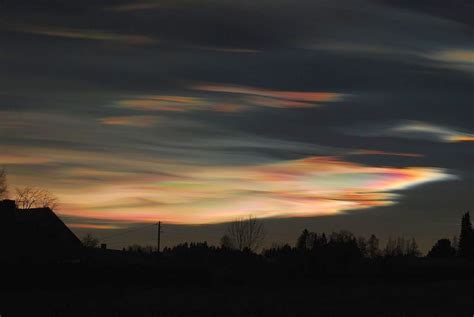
(35,235)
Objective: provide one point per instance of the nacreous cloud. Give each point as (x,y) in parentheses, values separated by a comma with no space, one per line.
(209,194)
(274,98)
(163,103)
(416,129)
(462,59)
(133,121)
(214,99)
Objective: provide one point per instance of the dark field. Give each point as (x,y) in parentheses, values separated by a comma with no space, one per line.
(403,288)
(336,298)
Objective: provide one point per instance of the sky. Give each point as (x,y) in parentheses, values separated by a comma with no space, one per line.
(324,115)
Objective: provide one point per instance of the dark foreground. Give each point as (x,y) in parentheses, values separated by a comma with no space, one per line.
(447,298)
(91,290)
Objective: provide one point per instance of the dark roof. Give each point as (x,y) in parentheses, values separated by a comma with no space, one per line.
(45,222)
(36,233)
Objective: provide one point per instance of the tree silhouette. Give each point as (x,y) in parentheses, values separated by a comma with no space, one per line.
(3,184)
(362,245)
(342,247)
(226,242)
(442,249)
(246,233)
(412,248)
(400,247)
(455,243)
(302,242)
(466,238)
(136,248)
(373,250)
(90,241)
(30,197)
(390,247)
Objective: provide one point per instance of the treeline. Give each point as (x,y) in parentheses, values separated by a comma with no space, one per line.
(317,255)
(240,259)
(342,244)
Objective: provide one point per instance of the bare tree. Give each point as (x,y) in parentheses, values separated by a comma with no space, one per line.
(412,248)
(362,244)
(390,248)
(226,242)
(30,197)
(47,200)
(90,241)
(3,184)
(246,233)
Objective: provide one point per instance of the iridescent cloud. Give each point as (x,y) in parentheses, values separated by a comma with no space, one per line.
(377,152)
(462,138)
(462,59)
(92,226)
(18,159)
(163,103)
(144,185)
(133,121)
(249,96)
(417,129)
(277,103)
(209,194)
(300,96)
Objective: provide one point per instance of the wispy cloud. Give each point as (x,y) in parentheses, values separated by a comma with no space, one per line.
(360,48)
(304,98)
(243,98)
(92,226)
(84,34)
(162,103)
(462,59)
(277,102)
(462,138)
(138,5)
(238,50)
(385,153)
(18,159)
(417,129)
(133,121)
(414,130)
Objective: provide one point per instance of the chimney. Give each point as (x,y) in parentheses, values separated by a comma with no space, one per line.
(7,204)
(7,210)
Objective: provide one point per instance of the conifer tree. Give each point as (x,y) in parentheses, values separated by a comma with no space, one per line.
(302,241)
(466,238)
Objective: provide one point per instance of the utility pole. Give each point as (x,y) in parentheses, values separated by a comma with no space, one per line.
(159,236)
